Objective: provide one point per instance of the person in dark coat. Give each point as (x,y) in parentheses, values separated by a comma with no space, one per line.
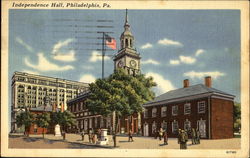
(193,135)
(179,136)
(198,135)
(130,135)
(183,140)
(82,134)
(165,138)
(155,133)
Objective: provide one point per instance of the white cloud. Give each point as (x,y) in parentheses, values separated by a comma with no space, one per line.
(147,45)
(163,85)
(199,52)
(68,57)
(200,75)
(45,65)
(88,78)
(187,59)
(174,62)
(20,41)
(31,72)
(61,44)
(150,61)
(63,56)
(96,56)
(168,42)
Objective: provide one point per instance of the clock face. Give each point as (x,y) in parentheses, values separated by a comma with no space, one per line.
(133,63)
(120,64)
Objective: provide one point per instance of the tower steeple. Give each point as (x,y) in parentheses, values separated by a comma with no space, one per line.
(127,38)
(127,57)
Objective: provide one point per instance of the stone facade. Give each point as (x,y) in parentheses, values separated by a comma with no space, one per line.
(29,90)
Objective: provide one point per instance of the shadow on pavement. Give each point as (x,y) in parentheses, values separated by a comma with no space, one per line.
(30,139)
(123,141)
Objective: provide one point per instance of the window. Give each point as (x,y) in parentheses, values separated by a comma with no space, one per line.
(164,111)
(164,125)
(175,126)
(174,110)
(187,125)
(154,112)
(146,113)
(201,107)
(187,108)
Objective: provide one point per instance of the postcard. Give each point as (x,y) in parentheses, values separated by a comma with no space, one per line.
(125,79)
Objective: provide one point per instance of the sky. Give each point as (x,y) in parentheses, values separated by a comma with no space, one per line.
(173,44)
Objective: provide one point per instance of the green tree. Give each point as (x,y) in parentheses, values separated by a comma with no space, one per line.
(237,116)
(25,119)
(120,94)
(43,121)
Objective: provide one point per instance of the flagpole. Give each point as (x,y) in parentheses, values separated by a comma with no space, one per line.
(103,53)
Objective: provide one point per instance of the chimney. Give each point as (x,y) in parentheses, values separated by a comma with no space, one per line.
(62,107)
(185,83)
(208,81)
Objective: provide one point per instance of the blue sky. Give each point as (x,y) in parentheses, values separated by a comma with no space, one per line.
(174,45)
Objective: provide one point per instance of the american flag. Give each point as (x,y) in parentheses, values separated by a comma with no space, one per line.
(110,42)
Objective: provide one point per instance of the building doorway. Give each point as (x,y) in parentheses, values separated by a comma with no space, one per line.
(202,128)
(145,129)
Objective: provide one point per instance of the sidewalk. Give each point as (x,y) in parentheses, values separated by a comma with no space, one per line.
(75,141)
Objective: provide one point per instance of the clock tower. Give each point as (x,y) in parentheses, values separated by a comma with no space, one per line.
(127,57)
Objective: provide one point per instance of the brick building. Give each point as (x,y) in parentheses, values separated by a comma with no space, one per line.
(198,106)
(88,120)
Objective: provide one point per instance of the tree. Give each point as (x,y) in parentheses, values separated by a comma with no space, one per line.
(237,116)
(25,118)
(43,121)
(120,94)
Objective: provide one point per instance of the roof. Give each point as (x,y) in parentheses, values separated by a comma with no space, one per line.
(186,92)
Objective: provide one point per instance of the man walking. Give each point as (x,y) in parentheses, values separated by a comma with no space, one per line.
(130,135)
(165,138)
(160,133)
(193,134)
(183,140)
(198,134)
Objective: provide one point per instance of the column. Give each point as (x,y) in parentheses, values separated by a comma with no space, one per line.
(37,100)
(65,99)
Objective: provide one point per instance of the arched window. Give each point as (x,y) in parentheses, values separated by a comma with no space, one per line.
(126,42)
(131,44)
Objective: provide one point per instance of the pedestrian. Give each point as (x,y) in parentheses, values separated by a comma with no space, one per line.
(179,135)
(94,137)
(160,133)
(198,135)
(90,136)
(183,140)
(165,138)
(130,135)
(155,133)
(82,134)
(193,135)
(99,134)
(64,135)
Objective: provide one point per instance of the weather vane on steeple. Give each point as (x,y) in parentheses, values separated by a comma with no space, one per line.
(126,26)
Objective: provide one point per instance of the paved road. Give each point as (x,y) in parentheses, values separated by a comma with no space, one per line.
(74,141)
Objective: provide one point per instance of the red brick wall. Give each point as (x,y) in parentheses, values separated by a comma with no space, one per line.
(181,118)
(221,118)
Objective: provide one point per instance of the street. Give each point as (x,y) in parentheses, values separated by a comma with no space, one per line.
(73,141)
